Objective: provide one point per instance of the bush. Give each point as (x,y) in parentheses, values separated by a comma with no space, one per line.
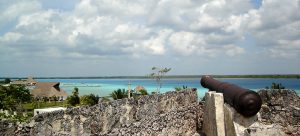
(119,94)
(7,80)
(277,86)
(143,92)
(74,98)
(90,100)
(12,96)
(180,88)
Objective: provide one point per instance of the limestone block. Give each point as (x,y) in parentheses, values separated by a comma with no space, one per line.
(235,123)
(238,125)
(213,124)
(259,129)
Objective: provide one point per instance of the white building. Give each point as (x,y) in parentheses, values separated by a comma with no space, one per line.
(39,111)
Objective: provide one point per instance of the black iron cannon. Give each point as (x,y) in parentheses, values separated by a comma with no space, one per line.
(244,101)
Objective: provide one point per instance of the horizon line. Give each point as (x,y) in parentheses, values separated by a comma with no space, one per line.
(166,76)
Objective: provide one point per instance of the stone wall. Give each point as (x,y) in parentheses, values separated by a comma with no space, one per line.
(172,113)
(281,107)
(7,127)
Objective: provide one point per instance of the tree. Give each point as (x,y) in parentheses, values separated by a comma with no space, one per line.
(75,91)
(119,94)
(158,75)
(7,80)
(21,93)
(74,98)
(90,100)
(13,96)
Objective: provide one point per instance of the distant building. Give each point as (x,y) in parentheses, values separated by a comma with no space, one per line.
(49,89)
(139,88)
(29,82)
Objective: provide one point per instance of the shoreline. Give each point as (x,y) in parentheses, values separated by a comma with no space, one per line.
(267,76)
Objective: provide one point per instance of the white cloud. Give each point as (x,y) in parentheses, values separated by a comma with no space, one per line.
(12,10)
(276,26)
(285,49)
(11,37)
(207,22)
(156,45)
(233,50)
(110,30)
(107,28)
(280,53)
(186,43)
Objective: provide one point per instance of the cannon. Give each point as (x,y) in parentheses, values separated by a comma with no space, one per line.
(244,101)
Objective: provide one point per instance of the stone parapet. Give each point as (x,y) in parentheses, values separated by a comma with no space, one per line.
(281,106)
(171,113)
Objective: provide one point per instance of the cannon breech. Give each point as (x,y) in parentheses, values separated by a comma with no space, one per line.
(244,101)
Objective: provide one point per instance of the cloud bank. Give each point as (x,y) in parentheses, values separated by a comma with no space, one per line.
(126,29)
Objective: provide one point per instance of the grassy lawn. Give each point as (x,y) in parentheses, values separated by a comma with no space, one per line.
(41,105)
(29,107)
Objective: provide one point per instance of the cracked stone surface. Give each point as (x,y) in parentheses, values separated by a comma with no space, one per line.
(172,113)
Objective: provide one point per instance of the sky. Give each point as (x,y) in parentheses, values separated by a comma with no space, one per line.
(129,37)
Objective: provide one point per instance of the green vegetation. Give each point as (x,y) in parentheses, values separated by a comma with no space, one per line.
(17,98)
(41,105)
(15,118)
(158,75)
(180,88)
(28,110)
(74,99)
(104,99)
(153,92)
(90,99)
(7,80)
(143,92)
(276,86)
(12,97)
(119,94)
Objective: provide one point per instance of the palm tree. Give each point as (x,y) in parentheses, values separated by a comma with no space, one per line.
(119,94)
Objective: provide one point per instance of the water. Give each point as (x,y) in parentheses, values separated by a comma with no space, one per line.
(103,87)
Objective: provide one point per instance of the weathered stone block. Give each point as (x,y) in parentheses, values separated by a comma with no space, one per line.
(213,124)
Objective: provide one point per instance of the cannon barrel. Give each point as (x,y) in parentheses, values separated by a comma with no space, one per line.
(244,101)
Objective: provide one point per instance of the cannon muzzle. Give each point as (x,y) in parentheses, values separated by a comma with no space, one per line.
(244,101)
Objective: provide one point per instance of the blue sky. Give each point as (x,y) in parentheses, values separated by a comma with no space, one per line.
(124,37)
(256,3)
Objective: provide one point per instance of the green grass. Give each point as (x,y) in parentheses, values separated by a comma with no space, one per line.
(41,105)
(29,107)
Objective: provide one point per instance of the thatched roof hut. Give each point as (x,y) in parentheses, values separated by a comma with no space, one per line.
(29,81)
(48,89)
(139,88)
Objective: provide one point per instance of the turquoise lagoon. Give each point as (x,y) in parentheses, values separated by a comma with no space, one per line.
(103,87)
